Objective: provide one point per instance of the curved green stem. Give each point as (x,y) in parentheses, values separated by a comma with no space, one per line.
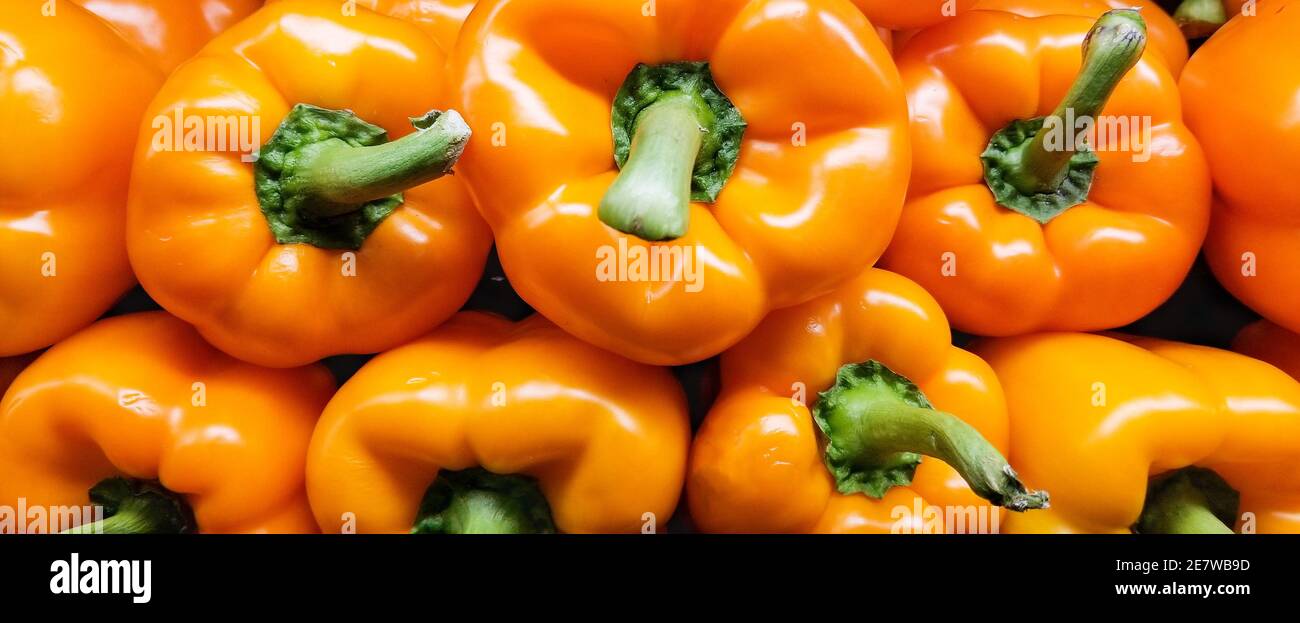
(476,501)
(899,429)
(334,177)
(137,507)
(878,423)
(1111,49)
(1191,501)
(328,178)
(1200,18)
(651,197)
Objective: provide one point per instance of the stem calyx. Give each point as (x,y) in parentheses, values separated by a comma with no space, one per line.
(137,507)
(1033,166)
(327,178)
(677,139)
(878,424)
(476,501)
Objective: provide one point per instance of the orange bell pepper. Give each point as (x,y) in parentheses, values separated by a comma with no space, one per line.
(70,127)
(1243,110)
(763,159)
(1166,37)
(1100,421)
(759,465)
(489,426)
(1041,227)
(910,14)
(172,435)
(441,19)
(333,241)
(1266,341)
(169,32)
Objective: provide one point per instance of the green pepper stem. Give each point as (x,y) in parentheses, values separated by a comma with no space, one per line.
(1200,18)
(484,512)
(137,507)
(1192,501)
(897,428)
(1111,49)
(476,501)
(338,178)
(877,425)
(651,197)
(134,517)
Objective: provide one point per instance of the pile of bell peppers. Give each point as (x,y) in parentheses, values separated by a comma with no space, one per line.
(791,266)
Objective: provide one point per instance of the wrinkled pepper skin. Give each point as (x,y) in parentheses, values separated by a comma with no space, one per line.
(1243,110)
(998,272)
(200,244)
(1094,417)
(756,463)
(441,19)
(1266,341)
(910,14)
(169,32)
(71,129)
(792,223)
(605,438)
(1164,32)
(122,398)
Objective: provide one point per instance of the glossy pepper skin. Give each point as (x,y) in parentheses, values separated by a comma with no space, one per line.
(604,437)
(1165,34)
(1269,342)
(169,32)
(793,221)
(756,463)
(1000,272)
(911,14)
(63,192)
(1244,113)
(143,396)
(197,234)
(1094,417)
(441,19)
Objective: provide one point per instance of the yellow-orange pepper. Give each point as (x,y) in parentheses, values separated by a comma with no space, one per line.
(1244,110)
(333,240)
(763,159)
(490,426)
(1095,418)
(204,442)
(169,32)
(1039,227)
(909,14)
(758,463)
(441,19)
(69,128)
(1163,30)
(1266,341)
